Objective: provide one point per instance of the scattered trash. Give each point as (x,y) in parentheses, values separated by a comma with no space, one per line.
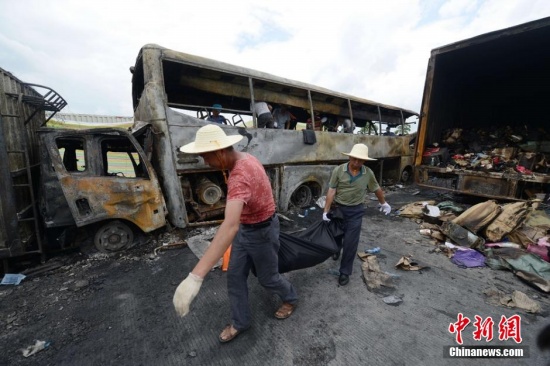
(12,279)
(301,215)
(313,208)
(392,275)
(281,216)
(503,245)
(373,250)
(321,201)
(426,232)
(457,247)
(333,271)
(461,236)
(167,246)
(406,263)
(392,300)
(469,258)
(35,348)
(372,275)
(517,299)
(540,250)
(305,212)
(520,300)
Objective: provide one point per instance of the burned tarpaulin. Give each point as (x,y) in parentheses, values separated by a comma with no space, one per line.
(526,266)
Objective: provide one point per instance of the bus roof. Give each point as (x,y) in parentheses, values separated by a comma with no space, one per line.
(206,77)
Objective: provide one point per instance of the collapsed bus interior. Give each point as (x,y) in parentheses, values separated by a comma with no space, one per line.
(486,116)
(193,88)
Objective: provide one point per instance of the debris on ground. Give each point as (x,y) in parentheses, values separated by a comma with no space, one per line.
(516,299)
(393,300)
(35,348)
(406,263)
(12,279)
(373,276)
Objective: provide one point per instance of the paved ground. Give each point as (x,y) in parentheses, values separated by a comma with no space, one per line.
(118,310)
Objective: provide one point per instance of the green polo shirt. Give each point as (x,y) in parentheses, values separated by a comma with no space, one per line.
(350,190)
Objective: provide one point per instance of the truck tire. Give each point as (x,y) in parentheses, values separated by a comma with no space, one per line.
(113,236)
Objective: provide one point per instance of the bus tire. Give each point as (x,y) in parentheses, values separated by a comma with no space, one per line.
(302,196)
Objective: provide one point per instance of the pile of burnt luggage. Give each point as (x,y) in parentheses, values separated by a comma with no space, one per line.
(513,236)
(523,151)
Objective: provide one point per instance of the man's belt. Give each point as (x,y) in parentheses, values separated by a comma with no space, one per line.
(260,225)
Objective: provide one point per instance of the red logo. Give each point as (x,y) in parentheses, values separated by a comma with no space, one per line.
(508,328)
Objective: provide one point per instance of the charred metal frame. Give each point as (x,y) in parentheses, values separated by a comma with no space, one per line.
(482,65)
(164,79)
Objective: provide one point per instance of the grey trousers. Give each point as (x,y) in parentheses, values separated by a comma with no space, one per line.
(258,247)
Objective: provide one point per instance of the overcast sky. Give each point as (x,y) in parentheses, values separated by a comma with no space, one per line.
(376,50)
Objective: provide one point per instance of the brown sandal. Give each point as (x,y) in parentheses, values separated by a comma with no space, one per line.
(285,310)
(227,333)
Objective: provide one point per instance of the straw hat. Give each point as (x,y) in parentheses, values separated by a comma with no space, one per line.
(210,138)
(359,151)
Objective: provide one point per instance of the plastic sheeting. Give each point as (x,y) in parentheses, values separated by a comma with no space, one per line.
(311,247)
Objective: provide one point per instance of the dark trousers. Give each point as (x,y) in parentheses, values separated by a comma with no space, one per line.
(353,218)
(265,121)
(258,247)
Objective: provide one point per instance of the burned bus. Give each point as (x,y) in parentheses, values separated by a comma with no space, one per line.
(173,93)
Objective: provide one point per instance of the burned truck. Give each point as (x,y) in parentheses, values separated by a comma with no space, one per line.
(484,127)
(22,112)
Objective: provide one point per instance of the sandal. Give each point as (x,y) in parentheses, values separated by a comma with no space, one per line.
(227,333)
(285,310)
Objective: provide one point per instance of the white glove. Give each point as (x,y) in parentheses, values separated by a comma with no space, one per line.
(385,208)
(325,218)
(186,292)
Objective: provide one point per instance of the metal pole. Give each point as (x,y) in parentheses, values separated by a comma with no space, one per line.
(350,111)
(311,110)
(252,102)
(379,120)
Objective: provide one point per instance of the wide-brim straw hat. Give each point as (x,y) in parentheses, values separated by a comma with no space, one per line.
(210,138)
(359,151)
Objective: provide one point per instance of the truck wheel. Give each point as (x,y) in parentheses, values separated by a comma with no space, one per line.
(302,196)
(113,236)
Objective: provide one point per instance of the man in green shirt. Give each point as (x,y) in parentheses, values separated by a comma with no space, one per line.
(347,190)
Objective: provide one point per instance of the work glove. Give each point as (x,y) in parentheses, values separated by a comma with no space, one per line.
(325,217)
(186,292)
(384,208)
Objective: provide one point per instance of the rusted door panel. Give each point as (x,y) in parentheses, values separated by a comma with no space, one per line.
(93,199)
(94,194)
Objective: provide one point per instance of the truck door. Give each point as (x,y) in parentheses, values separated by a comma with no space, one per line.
(104,175)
